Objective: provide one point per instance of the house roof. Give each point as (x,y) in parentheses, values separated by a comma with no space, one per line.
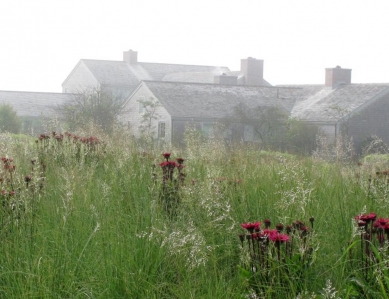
(199,100)
(121,73)
(318,103)
(33,103)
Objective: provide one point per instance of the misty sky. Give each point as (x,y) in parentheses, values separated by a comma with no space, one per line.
(41,41)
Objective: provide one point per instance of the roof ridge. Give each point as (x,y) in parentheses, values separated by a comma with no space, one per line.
(216,84)
(144,62)
(40,92)
(183,64)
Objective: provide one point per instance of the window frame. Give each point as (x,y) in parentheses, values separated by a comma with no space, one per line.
(142,106)
(162,124)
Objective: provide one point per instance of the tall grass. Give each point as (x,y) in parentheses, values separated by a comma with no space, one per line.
(91,224)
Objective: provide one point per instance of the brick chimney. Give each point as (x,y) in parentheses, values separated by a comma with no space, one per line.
(130,56)
(337,76)
(252,70)
(226,79)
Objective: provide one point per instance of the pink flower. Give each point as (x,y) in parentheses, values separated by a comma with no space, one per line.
(278,237)
(268,232)
(251,226)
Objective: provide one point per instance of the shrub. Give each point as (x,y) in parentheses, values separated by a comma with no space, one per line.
(9,120)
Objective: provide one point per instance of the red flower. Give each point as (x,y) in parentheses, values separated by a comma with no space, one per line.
(166,155)
(251,226)
(180,160)
(361,223)
(268,232)
(279,227)
(366,217)
(168,164)
(278,237)
(381,222)
(267,223)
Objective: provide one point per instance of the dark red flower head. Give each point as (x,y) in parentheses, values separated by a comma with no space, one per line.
(366,217)
(168,164)
(279,227)
(289,229)
(267,223)
(166,155)
(278,237)
(180,160)
(361,223)
(381,222)
(251,226)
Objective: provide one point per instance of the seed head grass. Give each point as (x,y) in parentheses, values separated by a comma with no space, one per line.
(86,218)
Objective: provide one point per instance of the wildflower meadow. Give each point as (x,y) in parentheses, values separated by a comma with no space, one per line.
(89,215)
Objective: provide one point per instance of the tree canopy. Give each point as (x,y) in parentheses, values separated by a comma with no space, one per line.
(97,106)
(9,120)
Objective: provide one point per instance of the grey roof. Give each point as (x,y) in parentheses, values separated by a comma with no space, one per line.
(197,100)
(159,70)
(241,79)
(113,72)
(194,77)
(34,103)
(122,73)
(324,104)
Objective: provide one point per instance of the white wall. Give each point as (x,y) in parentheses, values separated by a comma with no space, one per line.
(134,120)
(80,80)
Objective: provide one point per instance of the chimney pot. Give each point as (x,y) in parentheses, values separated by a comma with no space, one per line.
(252,70)
(337,76)
(130,56)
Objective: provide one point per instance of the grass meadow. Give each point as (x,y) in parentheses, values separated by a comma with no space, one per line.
(100,218)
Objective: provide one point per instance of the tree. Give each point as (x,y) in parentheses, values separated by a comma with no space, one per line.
(9,120)
(149,117)
(265,122)
(272,127)
(98,106)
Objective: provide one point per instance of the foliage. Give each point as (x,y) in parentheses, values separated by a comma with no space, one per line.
(97,106)
(278,258)
(97,229)
(367,256)
(149,116)
(272,128)
(9,120)
(266,121)
(171,183)
(374,145)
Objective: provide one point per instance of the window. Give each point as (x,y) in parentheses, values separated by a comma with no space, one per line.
(142,105)
(248,133)
(207,129)
(161,129)
(227,133)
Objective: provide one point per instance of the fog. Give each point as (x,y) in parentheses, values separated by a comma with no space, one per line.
(42,41)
